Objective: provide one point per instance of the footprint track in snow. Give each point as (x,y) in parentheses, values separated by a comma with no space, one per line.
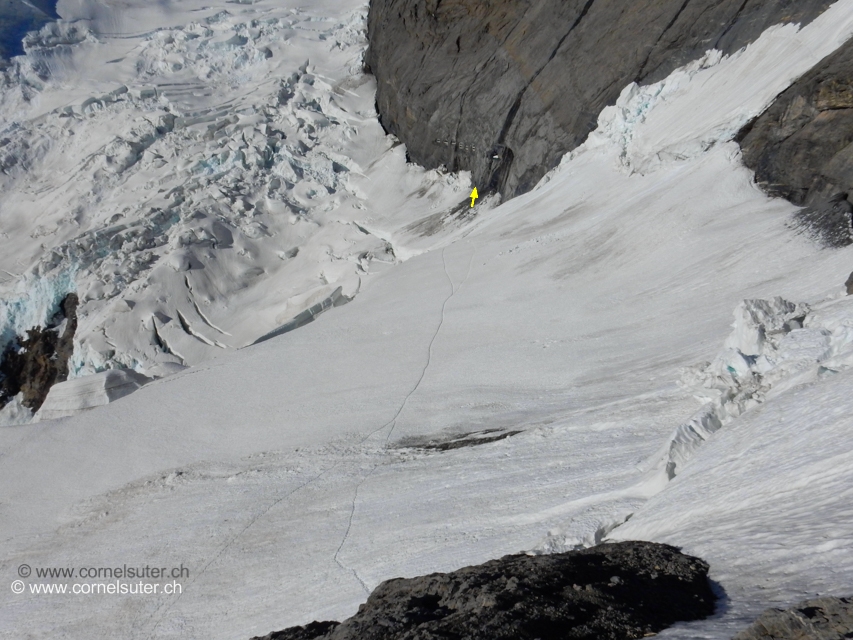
(392,423)
(164,607)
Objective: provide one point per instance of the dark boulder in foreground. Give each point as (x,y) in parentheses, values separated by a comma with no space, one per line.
(32,365)
(609,592)
(801,148)
(505,88)
(820,619)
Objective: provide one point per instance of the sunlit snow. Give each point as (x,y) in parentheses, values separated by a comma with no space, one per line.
(205,179)
(538,375)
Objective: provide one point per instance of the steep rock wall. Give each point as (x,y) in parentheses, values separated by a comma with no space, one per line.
(504,88)
(32,365)
(801,147)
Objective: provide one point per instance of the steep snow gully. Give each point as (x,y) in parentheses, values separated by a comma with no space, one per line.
(536,375)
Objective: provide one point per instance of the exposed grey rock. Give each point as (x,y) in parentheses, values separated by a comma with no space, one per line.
(801,148)
(33,365)
(849,284)
(505,88)
(456,441)
(608,592)
(821,619)
(308,632)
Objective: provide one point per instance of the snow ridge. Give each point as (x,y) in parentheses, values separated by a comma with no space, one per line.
(775,346)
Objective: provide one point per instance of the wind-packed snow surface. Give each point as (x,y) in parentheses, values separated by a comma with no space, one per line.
(527,377)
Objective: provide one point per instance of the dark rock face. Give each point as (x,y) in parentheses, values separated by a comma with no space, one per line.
(801,148)
(609,592)
(821,619)
(504,88)
(457,441)
(308,632)
(33,365)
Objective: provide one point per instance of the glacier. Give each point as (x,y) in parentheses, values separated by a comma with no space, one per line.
(198,214)
(571,347)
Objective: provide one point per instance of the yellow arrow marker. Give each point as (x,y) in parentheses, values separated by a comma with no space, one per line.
(474,196)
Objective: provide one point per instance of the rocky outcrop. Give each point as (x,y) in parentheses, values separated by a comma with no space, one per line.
(820,619)
(608,592)
(310,631)
(31,366)
(505,88)
(801,148)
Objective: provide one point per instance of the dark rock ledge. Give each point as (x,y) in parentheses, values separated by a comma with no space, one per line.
(34,364)
(609,592)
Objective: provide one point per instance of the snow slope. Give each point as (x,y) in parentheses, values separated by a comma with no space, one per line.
(767,504)
(200,175)
(292,476)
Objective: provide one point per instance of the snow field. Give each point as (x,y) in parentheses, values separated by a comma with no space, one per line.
(292,475)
